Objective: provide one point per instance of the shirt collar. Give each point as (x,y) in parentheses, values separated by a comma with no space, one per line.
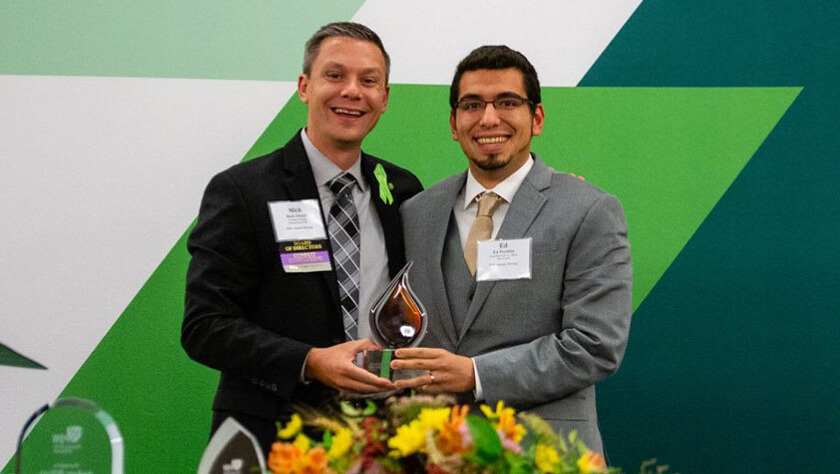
(506,189)
(323,168)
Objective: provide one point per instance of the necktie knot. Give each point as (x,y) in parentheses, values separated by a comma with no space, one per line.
(342,184)
(487,203)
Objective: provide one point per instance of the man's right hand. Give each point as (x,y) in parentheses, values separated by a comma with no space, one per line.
(334,366)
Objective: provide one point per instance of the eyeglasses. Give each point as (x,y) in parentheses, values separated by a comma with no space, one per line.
(501,104)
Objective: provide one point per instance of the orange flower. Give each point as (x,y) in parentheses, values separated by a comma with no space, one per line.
(450,440)
(315,462)
(286,458)
(283,458)
(507,424)
(591,462)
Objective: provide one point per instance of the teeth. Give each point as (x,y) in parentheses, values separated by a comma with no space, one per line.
(491,140)
(357,113)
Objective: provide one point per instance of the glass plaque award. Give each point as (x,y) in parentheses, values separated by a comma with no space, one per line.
(232,450)
(71,435)
(397,319)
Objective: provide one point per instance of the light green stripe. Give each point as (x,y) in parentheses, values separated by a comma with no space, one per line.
(207,39)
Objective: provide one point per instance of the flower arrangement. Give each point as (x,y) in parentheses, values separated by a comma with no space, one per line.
(429,435)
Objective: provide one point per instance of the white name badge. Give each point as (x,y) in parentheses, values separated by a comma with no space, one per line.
(297,220)
(504,260)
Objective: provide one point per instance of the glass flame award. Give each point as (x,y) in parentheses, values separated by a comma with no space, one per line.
(397,319)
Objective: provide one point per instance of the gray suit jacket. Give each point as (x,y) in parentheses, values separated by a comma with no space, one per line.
(539,344)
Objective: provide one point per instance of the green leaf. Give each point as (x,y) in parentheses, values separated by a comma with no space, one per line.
(487,443)
(370,408)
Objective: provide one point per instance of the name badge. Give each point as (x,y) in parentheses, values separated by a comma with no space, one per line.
(305,256)
(504,260)
(296,220)
(300,235)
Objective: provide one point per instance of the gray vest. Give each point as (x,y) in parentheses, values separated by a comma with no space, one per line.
(460,285)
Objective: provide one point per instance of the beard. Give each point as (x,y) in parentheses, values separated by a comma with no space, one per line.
(492,162)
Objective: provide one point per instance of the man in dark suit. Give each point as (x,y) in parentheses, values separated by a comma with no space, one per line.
(290,248)
(525,273)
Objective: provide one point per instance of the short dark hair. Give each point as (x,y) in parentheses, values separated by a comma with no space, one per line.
(497,57)
(342,29)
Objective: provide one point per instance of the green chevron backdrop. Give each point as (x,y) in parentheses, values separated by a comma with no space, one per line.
(715,124)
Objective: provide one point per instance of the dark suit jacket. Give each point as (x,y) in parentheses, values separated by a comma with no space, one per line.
(244,315)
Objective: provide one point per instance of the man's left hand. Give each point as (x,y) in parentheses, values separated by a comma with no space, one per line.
(447,372)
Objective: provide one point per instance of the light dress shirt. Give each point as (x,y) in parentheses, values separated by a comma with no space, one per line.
(466,208)
(373,259)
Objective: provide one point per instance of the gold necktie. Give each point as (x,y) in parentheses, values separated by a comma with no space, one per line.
(482,228)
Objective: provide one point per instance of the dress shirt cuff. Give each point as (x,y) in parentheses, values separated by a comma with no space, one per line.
(477,392)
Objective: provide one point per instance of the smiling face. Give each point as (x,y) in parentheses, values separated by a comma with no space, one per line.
(346,92)
(497,142)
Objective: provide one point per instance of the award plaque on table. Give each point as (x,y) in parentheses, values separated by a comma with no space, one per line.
(71,435)
(397,319)
(232,450)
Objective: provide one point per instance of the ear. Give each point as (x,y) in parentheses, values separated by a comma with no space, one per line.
(385,100)
(537,121)
(303,86)
(452,126)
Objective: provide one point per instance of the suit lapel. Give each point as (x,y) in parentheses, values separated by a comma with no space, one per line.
(443,201)
(526,205)
(300,184)
(389,218)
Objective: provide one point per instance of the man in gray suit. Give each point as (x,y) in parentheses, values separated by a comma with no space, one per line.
(538,311)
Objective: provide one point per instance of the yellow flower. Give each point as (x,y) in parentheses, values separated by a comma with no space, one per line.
(341,443)
(292,428)
(546,458)
(433,418)
(490,414)
(409,439)
(591,462)
(302,442)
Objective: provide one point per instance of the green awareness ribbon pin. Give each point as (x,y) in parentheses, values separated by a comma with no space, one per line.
(384,191)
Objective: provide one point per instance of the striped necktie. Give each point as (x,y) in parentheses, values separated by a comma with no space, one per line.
(344,235)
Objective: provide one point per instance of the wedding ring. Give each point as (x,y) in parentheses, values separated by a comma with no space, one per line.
(431,378)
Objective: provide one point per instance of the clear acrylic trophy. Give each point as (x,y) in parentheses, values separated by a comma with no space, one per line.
(70,435)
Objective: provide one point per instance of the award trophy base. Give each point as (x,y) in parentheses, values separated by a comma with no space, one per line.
(379,363)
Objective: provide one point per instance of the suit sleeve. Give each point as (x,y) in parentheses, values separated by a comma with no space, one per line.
(223,281)
(596,308)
